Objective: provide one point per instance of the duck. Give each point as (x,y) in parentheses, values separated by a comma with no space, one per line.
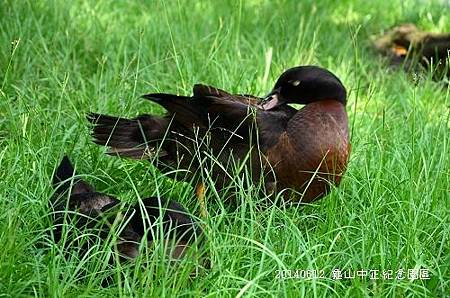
(407,46)
(77,205)
(300,153)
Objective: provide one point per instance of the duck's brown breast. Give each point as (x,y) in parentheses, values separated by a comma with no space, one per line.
(313,152)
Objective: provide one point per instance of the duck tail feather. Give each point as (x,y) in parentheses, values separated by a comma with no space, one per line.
(136,138)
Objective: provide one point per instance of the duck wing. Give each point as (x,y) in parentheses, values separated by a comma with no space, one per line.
(272,124)
(235,118)
(233,111)
(209,91)
(228,121)
(223,114)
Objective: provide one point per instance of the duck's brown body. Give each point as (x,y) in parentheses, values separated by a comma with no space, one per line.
(303,150)
(318,156)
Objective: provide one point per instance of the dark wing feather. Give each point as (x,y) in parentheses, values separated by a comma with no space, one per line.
(201,90)
(227,111)
(186,111)
(242,115)
(271,124)
(238,113)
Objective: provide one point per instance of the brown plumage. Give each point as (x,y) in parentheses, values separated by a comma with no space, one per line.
(305,150)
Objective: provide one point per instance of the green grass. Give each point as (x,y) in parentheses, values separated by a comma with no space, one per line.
(62,59)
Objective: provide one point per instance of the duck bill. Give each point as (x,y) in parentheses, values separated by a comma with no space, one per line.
(272,100)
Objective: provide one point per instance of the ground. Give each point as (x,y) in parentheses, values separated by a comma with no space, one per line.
(63,59)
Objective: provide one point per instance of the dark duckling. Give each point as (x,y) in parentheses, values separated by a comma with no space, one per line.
(76,203)
(304,150)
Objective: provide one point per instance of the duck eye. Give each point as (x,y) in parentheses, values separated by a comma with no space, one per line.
(295,83)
